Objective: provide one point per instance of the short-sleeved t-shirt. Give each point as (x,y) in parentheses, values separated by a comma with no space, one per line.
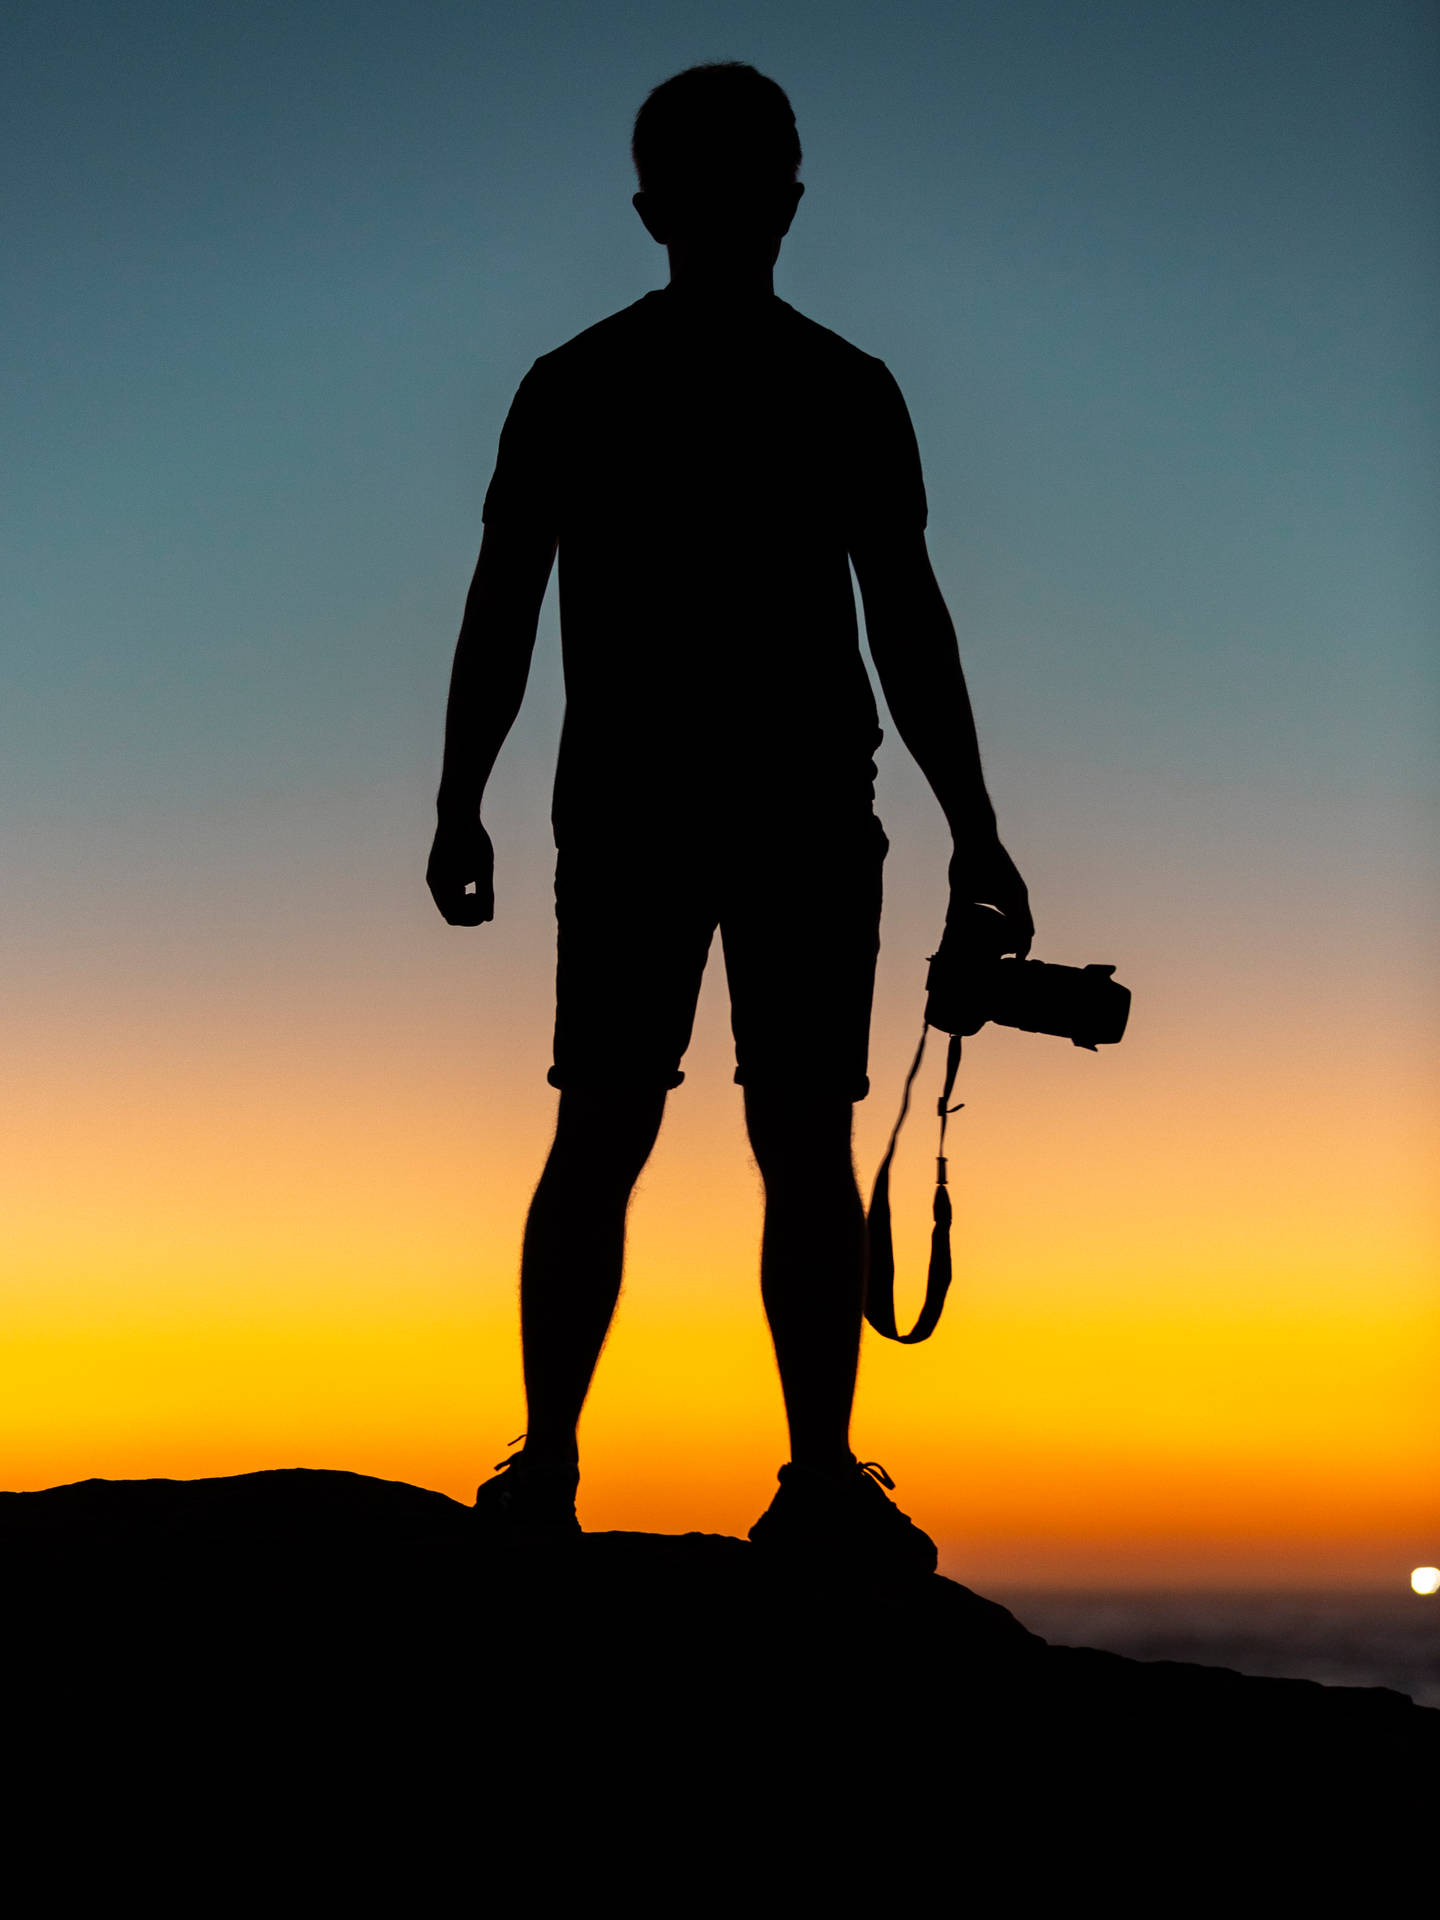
(705,483)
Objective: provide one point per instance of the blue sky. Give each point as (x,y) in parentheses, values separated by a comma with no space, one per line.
(1158,283)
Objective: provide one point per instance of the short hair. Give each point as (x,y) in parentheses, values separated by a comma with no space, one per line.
(722,121)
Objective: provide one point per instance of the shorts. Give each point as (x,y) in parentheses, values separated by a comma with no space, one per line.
(798,908)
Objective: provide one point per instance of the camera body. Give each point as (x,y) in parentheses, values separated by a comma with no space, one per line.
(972,980)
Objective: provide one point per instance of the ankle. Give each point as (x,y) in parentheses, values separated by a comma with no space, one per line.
(832,1464)
(551,1456)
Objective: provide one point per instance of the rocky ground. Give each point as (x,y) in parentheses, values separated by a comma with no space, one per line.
(212,1678)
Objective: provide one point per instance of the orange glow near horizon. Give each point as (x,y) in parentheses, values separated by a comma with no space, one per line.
(1049,1442)
(1173,1351)
(273,1219)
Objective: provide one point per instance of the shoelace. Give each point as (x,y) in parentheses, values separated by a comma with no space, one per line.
(876,1472)
(524,1469)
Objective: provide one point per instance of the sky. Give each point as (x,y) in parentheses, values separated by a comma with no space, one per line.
(1158,285)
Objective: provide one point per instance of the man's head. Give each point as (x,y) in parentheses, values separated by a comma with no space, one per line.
(716,152)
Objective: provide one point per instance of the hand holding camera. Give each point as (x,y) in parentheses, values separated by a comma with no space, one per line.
(981,870)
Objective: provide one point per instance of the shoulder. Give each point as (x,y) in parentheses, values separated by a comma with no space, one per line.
(619,336)
(832,351)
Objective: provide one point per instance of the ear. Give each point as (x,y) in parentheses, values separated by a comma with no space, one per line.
(793,195)
(652,217)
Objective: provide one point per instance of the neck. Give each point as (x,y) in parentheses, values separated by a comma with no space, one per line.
(721,289)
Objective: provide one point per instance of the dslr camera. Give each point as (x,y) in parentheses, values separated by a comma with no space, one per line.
(972,980)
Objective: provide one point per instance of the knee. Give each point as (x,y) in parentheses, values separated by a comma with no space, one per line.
(604,1140)
(800,1139)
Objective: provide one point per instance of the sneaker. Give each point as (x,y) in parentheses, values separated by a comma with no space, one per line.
(842,1519)
(526,1502)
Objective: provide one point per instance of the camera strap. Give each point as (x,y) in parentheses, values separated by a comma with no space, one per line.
(880,1287)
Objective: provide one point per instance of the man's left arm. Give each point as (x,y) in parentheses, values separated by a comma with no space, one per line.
(913,644)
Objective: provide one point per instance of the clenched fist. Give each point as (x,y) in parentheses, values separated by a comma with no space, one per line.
(461,873)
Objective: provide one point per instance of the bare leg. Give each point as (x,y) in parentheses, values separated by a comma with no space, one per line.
(812,1264)
(574,1255)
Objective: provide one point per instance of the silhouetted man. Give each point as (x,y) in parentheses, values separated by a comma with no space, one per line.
(709,463)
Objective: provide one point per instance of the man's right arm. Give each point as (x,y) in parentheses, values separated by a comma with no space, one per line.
(487,684)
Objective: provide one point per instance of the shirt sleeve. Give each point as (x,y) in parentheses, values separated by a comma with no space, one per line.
(524,483)
(887,487)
